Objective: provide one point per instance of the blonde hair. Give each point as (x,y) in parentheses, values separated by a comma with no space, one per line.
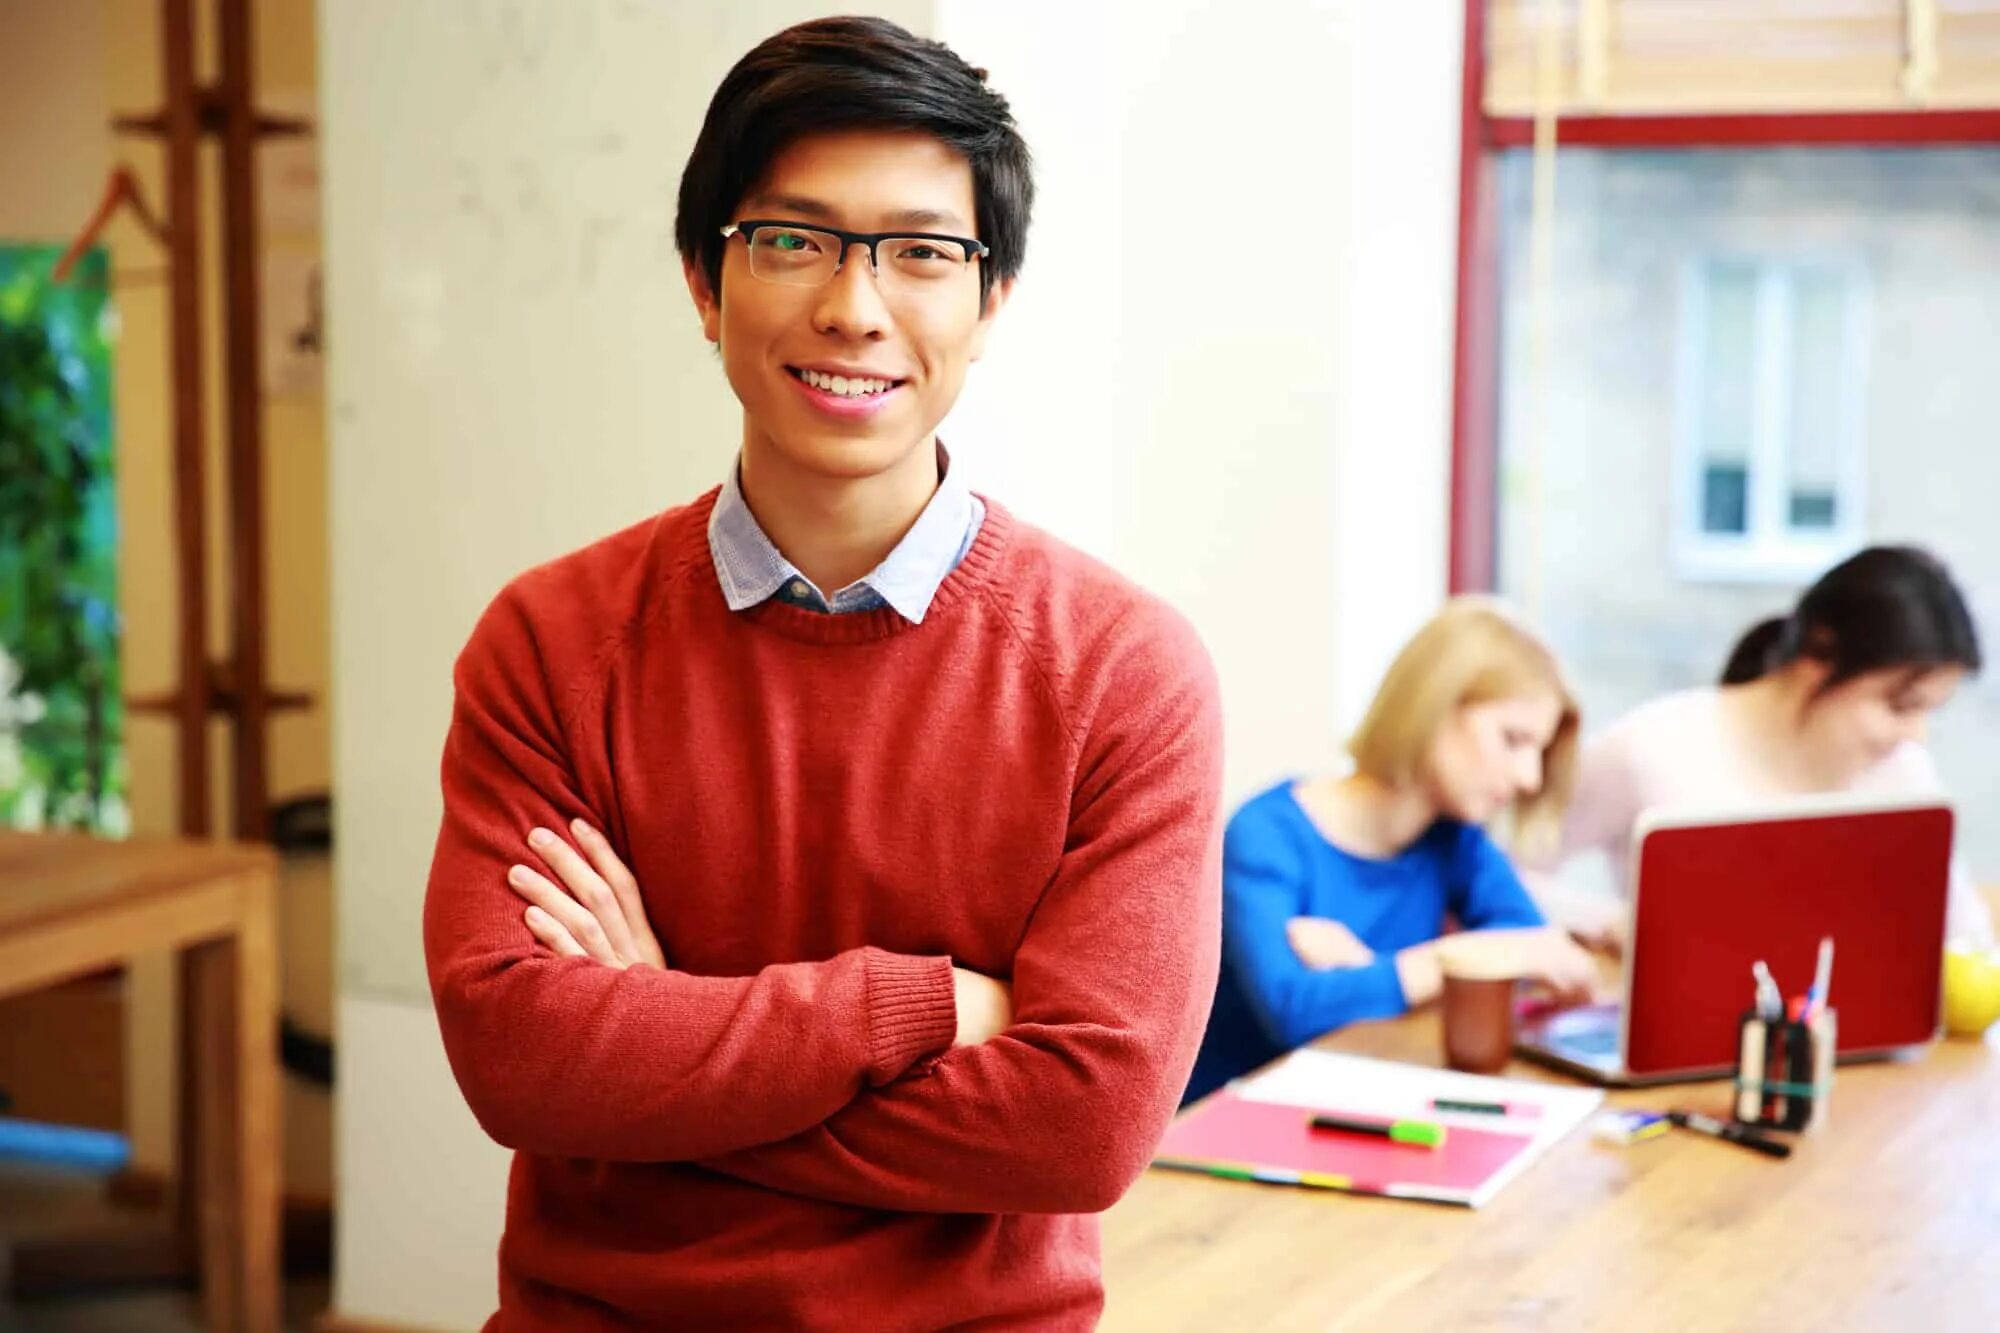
(1472,651)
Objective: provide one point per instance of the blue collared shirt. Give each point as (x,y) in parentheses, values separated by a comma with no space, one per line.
(752,569)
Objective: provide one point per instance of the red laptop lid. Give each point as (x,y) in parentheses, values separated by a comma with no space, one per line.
(1713,897)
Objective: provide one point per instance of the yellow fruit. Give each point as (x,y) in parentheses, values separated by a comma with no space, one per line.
(1971,991)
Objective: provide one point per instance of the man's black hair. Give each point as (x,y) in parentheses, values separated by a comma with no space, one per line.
(845,74)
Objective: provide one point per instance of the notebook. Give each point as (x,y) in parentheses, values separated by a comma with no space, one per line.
(1259,1128)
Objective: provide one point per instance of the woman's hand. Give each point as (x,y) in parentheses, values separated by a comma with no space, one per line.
(596,912)
(1606,939)
(1565,968)
(1544,956)
(1322,943)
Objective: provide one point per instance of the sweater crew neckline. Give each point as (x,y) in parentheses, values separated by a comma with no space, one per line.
(697,561)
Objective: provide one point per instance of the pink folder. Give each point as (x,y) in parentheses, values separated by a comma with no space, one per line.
(1230,1136)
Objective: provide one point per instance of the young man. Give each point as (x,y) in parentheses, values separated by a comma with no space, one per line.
(919,806)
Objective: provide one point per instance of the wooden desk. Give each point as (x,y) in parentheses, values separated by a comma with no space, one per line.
(1887,1218)
(70,906)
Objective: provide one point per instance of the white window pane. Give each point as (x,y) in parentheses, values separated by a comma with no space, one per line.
(1728,395)
(1819,411)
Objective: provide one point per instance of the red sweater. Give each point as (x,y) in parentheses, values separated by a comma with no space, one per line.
(825,813)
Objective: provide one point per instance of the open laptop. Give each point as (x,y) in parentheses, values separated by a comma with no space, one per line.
(1713,892)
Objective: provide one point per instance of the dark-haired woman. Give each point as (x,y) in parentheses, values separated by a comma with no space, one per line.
(1834,697)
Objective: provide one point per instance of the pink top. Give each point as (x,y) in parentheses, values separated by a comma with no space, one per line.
(1678,751)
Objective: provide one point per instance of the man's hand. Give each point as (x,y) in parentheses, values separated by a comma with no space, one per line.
(1322,943)
(597,912)
(985,1006)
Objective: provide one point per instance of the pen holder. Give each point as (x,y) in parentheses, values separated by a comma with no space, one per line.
(1784,1071)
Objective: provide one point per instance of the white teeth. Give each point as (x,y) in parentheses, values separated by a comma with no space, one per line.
(842,385)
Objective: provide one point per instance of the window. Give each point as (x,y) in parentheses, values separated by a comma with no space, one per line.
(1847,340)
(1770,418)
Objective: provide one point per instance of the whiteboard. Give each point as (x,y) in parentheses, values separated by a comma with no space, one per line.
(514,365)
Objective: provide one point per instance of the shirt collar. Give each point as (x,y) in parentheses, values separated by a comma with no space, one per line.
(751,569)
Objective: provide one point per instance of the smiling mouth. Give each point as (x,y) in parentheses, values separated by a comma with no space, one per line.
(844,386)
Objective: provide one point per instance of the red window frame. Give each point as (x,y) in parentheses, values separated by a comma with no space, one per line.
(1475,442)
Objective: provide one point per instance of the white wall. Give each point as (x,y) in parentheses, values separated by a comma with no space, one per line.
(1227,367)
(1262,442)
(514,370)
(422,1189)
(56,143)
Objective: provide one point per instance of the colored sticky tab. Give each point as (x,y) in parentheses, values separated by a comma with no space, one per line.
(1624,1128)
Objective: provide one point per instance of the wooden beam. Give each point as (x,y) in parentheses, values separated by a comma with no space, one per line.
(243,349)
(154,124)
(1832,129)
(179,119)
(1475,361)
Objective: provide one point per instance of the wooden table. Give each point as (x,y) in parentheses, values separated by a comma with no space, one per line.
(70,906)
(1887,1218)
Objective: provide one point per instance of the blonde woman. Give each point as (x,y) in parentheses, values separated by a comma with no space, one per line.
(1337,888)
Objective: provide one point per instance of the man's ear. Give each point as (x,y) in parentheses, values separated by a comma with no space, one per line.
(706,302)
(996,299)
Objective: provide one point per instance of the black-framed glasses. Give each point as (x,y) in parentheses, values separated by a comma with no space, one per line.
(798,255)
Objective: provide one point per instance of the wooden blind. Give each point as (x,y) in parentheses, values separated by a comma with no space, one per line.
(1719,56)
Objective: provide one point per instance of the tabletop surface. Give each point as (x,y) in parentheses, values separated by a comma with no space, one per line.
(50,876)
(1889,1216)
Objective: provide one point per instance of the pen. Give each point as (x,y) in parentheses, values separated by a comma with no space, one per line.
(1769,1005)
(1416,1133)
(1722,1129)
(1472,1106)
(1822,978)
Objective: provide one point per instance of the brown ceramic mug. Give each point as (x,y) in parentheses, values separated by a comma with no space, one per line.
(1480,972)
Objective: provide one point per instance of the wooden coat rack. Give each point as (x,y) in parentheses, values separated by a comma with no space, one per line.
(237,687)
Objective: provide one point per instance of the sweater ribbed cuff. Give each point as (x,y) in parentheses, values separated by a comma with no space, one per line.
(912,1012)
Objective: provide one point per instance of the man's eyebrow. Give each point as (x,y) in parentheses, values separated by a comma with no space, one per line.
(796,204)
(817,210)
(925,217)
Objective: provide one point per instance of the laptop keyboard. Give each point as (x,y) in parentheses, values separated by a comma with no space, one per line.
(1589,1041)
